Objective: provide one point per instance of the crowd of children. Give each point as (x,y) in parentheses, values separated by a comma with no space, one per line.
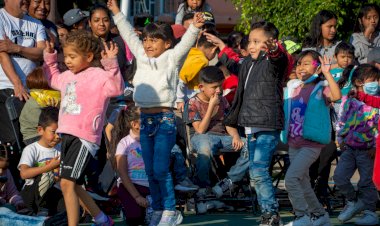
(247,95)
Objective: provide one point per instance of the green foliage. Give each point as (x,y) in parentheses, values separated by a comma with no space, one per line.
(293,17)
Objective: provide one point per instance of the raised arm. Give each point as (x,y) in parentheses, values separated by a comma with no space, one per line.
(335,93)
(189,38)
(126,30)
(115,84)
(369,100)
(50,67)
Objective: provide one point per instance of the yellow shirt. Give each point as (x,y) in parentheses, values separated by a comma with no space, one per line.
(195,61)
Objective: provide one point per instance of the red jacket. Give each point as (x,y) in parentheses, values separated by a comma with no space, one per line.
(373,102)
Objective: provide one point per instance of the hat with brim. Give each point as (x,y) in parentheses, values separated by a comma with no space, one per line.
(73,16)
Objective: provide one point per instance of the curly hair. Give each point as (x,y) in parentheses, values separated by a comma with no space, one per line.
(84,42)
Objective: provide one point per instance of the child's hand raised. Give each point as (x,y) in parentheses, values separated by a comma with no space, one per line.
(326,64)
(214,40)
(113,6)
(198,20)
(271,45)
(110,52)
(49,47)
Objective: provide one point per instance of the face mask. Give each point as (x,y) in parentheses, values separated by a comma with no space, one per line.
(371,88)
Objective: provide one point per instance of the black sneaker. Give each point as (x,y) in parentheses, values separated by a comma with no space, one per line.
(271,219)
(220,188)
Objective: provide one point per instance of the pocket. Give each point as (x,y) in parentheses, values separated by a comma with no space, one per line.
(147,125)
(168,122)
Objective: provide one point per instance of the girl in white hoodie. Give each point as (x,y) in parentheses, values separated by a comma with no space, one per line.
(155,85)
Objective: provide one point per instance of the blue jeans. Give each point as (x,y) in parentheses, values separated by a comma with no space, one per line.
(350,160)
(261,146)
(157,138)
(179,167)
(206,145)
(241,167)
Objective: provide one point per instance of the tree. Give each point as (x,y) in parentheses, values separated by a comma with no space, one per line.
(293,17)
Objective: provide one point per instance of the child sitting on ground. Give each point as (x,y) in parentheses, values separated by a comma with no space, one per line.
(38,160)
(9,195)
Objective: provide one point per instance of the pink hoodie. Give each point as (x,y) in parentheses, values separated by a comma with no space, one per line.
(85,96)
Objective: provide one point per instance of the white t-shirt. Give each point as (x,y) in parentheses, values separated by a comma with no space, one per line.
(131,149)
(24,32)
(35,155)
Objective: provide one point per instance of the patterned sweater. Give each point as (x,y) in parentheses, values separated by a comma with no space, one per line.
(357,124)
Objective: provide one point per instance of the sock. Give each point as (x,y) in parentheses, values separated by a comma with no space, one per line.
(101,218)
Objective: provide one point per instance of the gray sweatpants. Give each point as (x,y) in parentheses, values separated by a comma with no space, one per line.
(297,181)
(350,160)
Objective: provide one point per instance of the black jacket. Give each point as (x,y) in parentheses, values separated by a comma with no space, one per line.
(258,102)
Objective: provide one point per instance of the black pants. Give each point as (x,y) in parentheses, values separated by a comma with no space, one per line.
(7,136)
(6,132)
(320,170)
(51,200)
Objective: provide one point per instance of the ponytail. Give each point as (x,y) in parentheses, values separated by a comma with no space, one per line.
(121,129)
(346,76)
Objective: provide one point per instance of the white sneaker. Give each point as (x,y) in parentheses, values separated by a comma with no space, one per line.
(156,218)
(202,207)
(368,218)
(171,218)
(301,221)
(350,210)
(222,186)
(186,185)
(323,220)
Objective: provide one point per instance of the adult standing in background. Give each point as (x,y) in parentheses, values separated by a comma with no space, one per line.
(22,40)
(40,10)
(100,25)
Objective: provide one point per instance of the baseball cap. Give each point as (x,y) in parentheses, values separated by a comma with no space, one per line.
(73,16)
(209,18)
(374,55)
(291,46)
